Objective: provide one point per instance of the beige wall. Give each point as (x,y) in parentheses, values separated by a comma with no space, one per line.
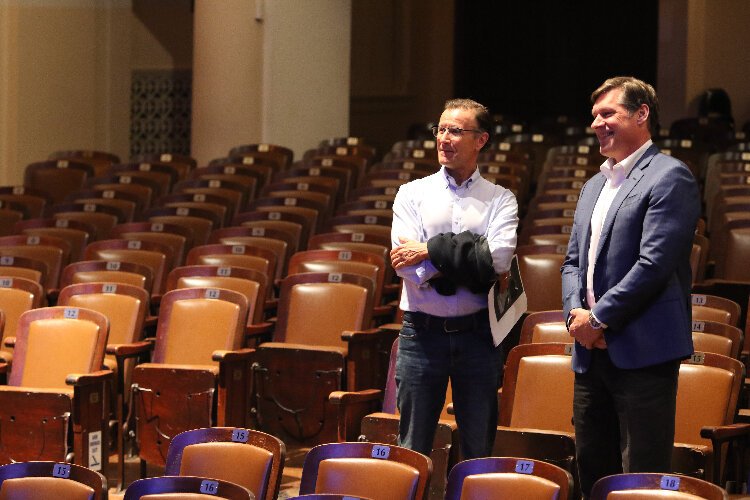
(306,58)
(226,77)
(282,77)
(726,54)
(703,44)
(64,87)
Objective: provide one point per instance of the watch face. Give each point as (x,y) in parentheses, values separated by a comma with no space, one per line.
(593,322)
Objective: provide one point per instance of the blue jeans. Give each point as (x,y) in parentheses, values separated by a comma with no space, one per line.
(429,353)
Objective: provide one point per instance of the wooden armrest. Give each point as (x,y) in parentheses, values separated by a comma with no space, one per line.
(129,350)
(10,342)
(346,397)
(259,329)
(351,408)
(150,321)
(359,335)
(390,327)
(270,304)
(723,433)
(720,435)
(80,379)
(230,356)
(155,300)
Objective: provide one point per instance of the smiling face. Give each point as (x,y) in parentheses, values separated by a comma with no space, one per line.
(459,154)
(620,132)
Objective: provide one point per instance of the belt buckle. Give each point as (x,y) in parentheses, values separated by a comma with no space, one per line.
(446,329)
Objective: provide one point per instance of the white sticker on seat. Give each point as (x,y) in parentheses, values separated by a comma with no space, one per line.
(670,483)
(524,467)
(240,435)
(209,487)
(380,451)
(61,470)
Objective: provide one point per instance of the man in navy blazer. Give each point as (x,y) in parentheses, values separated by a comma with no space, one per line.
(626,289)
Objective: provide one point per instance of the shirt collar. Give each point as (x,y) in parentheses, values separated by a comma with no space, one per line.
(617,172)
(450,182)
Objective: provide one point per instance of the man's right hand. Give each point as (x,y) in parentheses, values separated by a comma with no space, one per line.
(586,335)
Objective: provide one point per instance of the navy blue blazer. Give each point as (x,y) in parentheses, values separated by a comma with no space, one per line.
(642,277)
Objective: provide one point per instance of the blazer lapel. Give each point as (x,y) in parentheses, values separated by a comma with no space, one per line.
(627,186)
(596,185)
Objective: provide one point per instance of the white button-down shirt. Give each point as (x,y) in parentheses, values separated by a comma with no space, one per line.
(615,174)
(434,204)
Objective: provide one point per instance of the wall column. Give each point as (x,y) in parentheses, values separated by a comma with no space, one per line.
(227,70)
(275,72)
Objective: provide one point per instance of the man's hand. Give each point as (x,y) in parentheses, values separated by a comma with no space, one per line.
(583,332)
(408,253)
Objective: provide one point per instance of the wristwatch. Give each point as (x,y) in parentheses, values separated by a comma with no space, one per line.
(595,323)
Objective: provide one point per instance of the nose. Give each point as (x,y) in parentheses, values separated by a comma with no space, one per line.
(598,122)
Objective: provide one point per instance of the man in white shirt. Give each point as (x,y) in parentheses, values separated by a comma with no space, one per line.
(626,289)
(453,233)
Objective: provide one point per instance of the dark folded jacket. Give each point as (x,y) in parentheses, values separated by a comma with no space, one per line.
(463,259)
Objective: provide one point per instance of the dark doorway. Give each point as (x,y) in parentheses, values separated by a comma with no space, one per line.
(541,58)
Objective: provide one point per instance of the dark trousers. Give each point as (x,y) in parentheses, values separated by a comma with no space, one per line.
(624,419)
(428,356)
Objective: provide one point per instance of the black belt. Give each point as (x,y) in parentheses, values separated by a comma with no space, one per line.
(449,325)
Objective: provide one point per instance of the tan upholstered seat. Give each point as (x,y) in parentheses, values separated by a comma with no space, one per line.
(540,272)
(56,371)
(158,257)
(17,295)
(544,327)
(27,480)
(318,349)
(126,307)
(54,252)
(57,178)
(258,259)
(254,285)
(715,308)
(536,405)
(647,486)
(364,469)
(216,451)
(280,242)
(185,488)
(197,357)
(496,477)
(108,271)
(707,394)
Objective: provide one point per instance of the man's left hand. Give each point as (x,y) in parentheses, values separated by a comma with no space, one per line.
(408,253)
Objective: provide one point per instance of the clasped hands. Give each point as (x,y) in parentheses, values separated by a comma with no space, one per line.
(586,335)
(408,253)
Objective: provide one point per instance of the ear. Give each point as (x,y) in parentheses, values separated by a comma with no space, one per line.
(642,114)
(482,140)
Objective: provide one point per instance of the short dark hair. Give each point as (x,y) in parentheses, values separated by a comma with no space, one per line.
(481,113)
(635,93)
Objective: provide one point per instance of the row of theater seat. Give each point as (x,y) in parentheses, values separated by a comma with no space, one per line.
(383,192)
(200,463)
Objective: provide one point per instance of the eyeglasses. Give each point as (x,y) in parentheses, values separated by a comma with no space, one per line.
(453,132)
